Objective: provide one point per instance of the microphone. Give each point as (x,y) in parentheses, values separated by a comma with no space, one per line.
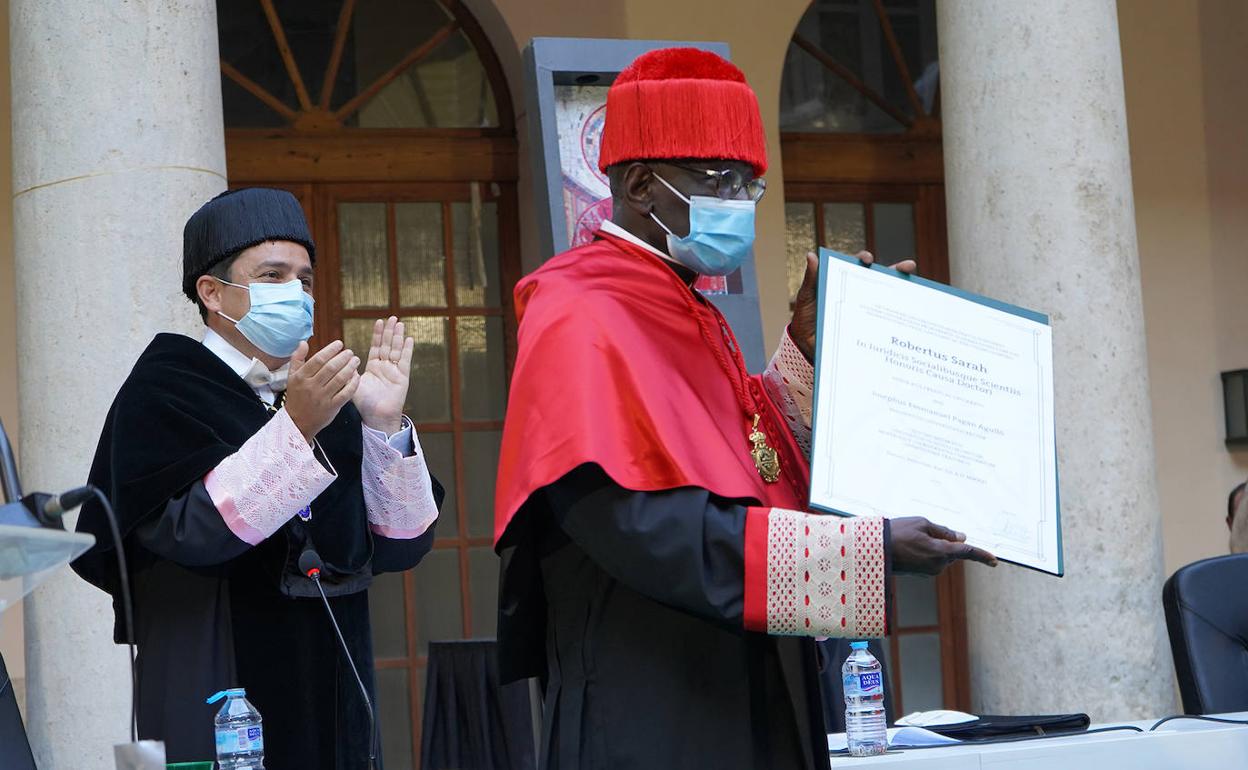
(67,501)
(47,510)
(311,565)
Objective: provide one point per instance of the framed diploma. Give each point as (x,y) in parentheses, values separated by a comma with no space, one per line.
(931,401)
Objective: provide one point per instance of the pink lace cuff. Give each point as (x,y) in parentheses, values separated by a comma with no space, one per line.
(813,575)
(398,492)
(271,477)
(790,381)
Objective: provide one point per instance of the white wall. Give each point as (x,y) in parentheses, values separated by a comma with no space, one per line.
(1224,30)
(11,637)
(1190,272)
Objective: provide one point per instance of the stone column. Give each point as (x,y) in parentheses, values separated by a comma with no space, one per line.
(117,138)
(1038,180)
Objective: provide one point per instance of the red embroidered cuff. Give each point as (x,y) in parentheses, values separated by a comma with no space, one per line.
(813,575)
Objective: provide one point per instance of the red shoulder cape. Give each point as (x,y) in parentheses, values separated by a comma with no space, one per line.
(614,368)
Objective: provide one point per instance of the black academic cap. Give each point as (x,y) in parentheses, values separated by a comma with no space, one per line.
(237,220)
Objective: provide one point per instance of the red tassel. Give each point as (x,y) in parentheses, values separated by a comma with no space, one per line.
(680,103)
(676,63)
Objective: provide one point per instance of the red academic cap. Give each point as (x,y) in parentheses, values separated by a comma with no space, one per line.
(676,103)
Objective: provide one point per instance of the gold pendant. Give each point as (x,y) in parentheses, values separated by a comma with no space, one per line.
(765,458)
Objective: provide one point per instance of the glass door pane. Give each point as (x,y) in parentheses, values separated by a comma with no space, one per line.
(394,717)
(422,257)
(439,610)
(922,688)
(476,253)
(429,394)
(482,366)
(483,566)
(387,608)
(844,227)
(894,232)
(364,252)
(915,645)
(799,239)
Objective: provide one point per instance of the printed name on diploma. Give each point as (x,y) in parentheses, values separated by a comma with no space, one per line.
(939,365)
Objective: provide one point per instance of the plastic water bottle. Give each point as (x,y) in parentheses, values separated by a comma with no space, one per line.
(866,726)
(240,739)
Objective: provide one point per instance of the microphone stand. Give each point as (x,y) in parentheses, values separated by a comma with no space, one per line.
(314,573)
(9,482)
(40,510)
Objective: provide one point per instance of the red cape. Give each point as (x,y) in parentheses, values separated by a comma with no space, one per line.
(614,369)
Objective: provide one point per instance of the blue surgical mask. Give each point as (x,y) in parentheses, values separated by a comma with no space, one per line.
(280,316)
(721,233)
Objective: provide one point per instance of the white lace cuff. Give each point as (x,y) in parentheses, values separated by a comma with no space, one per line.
(398,492)
(790,381)
(271,477)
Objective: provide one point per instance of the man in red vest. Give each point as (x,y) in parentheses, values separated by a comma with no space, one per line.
(660,573)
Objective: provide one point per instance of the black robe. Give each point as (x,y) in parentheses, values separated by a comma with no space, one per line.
(629,606)
(212,612)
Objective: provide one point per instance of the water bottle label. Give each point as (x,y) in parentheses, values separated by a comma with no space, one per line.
(239,740)
(870,683)
(866,685)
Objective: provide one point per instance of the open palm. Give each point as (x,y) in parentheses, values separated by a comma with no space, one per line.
(383,386)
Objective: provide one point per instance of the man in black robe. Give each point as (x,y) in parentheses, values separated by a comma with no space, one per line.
(226,459)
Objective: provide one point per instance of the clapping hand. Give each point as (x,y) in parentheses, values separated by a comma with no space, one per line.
(318,387)
(383,386)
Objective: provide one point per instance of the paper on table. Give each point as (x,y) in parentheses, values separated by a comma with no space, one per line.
(897,738)
(934,402)
(936,718)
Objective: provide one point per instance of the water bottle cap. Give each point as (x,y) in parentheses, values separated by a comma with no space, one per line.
(237,692)
(858,645)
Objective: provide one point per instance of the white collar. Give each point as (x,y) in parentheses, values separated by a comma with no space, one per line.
(252,371)
(612,228)
(232,356)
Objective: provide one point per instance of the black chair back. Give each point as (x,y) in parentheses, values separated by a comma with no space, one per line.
(1207,617)
(470,720)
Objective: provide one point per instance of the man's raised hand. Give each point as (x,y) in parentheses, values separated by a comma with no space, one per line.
(318,387)
(383,387)
(806,303)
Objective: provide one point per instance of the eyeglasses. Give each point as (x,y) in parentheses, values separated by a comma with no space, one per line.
(728,182)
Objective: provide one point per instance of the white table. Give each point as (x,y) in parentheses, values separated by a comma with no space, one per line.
(1175,745)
